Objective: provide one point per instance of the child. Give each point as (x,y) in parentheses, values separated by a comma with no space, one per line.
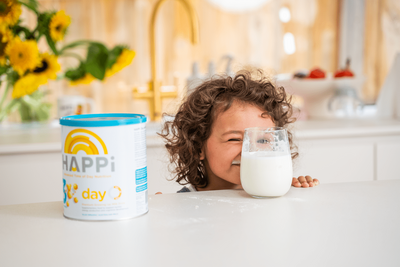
(206,134)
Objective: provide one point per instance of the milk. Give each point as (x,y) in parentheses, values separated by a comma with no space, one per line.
(266,174)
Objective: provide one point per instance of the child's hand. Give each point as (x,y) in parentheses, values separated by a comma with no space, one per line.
(304,181)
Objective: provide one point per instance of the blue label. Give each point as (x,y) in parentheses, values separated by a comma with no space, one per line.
(65,190)
(141,188)
(141,176)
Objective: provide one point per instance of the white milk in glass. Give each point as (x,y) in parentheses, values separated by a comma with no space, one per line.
(266,173)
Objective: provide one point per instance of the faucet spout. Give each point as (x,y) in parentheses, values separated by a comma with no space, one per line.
(194,26)
(154,94)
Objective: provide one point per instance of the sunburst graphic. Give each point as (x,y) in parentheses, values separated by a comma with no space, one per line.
(82,140)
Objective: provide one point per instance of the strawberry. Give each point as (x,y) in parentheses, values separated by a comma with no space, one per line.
(346,72)
(316,73)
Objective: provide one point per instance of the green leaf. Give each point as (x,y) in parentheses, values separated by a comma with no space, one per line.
(43,21)
(97,60)
(17,29)
(75,74)
(33,3)
(113,55)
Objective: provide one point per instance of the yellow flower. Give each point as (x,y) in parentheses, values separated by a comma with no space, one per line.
(10,10)
(48,67)
(87,79)
(58,25)
(27,85)
(5,37)
(23,55)
(124,59)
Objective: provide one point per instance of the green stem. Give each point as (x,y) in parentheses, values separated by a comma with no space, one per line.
(78,43)
(5,95)
(70,54)
(29,7)
(13,105)
(33,33)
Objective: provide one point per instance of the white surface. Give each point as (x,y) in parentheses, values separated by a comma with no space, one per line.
(388,162)
(348,224)
(31,178)
(337,160)
(322,129)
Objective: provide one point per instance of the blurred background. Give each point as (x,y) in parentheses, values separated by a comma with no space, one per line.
(348,128)
(279,36)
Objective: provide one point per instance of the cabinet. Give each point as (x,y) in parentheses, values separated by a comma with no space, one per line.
(350,159)
(36,177)
(388,158)
(336,160)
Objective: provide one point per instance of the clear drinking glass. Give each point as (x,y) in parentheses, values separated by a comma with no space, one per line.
(266,163)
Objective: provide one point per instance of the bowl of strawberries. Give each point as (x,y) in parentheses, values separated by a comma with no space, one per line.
(316,87)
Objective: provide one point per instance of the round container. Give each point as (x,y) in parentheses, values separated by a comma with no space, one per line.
(104,166)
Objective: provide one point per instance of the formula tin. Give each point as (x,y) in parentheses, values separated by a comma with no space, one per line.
(104,166)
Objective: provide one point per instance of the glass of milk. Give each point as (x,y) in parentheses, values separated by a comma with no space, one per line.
(266,164)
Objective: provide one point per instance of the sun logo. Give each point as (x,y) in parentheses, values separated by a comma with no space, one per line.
(82,140)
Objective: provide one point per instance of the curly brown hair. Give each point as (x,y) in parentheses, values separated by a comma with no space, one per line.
(187,133)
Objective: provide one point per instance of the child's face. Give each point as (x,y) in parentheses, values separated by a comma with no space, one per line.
(225,142)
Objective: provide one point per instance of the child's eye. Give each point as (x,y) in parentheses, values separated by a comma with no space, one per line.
(262,141)
(234,139)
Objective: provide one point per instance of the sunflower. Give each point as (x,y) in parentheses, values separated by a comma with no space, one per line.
(58,25)
(27,85)
(23,55)
(123,60)
(10,10)
(48,66)
(5,37)
(86,79)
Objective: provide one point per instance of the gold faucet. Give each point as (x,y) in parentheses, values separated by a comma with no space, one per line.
(154,94)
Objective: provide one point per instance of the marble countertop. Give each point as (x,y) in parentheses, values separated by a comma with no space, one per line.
(344,224)
(29,138)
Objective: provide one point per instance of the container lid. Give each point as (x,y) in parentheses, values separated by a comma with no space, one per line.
(102,120)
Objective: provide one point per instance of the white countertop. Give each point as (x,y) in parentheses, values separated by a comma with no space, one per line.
(347,224)
(28,138)
(317,129)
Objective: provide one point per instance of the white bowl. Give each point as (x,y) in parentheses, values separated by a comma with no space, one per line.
(317,92)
